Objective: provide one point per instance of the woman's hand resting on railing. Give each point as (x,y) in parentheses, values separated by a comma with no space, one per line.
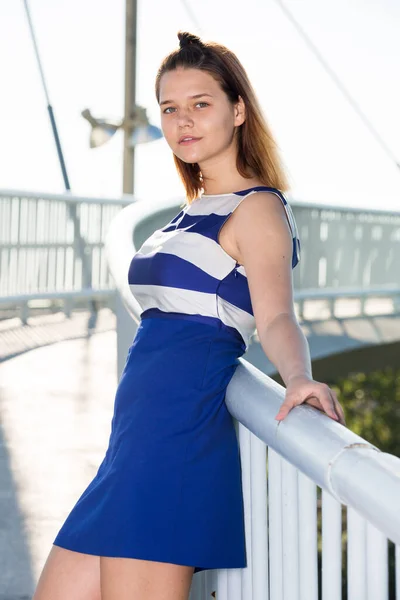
(303,390)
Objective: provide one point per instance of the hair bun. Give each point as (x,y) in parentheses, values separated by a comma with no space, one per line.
(189,39)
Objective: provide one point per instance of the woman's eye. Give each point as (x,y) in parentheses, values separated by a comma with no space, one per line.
(165,111)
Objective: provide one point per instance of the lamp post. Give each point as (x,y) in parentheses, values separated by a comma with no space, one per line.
(135,124)
(138,130)
(130,94)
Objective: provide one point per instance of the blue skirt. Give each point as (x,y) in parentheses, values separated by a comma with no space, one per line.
(169,487)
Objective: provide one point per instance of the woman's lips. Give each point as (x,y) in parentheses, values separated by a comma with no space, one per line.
(188,142)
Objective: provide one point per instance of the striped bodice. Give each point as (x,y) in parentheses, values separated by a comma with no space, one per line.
(183,269)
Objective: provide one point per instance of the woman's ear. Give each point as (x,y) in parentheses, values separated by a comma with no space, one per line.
(240,112)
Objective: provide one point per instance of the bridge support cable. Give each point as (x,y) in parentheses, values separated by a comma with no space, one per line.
(339,84)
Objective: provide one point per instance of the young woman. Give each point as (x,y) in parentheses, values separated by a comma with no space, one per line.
(167,498)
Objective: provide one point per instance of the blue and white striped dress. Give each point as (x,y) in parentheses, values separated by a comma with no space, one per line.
(169,487)
(182,268)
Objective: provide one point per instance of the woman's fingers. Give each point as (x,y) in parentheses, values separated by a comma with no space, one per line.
(284,410)
(326,402)
(315,403)
(338,407)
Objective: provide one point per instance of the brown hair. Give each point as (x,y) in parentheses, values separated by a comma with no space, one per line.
(257,149)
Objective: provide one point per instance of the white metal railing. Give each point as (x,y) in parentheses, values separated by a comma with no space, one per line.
(51,246)
(347,253)
(283,464)
(346,247)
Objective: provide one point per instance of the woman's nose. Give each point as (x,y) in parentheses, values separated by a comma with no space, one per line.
(184,117)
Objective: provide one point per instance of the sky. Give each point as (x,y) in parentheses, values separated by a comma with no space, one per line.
(330,155)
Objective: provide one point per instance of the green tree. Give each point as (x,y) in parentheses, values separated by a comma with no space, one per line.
(371,402)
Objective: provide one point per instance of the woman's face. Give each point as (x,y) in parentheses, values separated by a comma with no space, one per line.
(193,105)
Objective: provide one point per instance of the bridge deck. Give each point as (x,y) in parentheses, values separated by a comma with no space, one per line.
(55,415)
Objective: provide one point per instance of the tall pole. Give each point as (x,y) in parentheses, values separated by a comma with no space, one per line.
(126,326)
(130,94)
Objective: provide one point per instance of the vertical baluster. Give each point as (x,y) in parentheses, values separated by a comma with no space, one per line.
(40,253)
(356,556)
(18,273)
(46,215)
(17,227)
(56,233)
(275,525)
(60,249)
(207,585)
(199,583)
(28,251)
(245,459)
(203,586)
(102,279)
(259,524)
(96,242)
(5,266)
(222,584)
(64,242)
(308,547)
(194,589)
(377,564)
(235,584)
(34,237)
(331,548)
(211,576)
(290,532)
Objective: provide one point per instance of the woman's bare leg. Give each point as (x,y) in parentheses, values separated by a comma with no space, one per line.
(136,579)
(69,575)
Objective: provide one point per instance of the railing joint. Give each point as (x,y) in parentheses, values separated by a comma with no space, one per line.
(333,461)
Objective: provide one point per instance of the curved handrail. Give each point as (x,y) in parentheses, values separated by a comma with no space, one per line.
(351,469)
(69,197)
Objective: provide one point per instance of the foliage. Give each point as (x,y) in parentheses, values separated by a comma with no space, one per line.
(371,402)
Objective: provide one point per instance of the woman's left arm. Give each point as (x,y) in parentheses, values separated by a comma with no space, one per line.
(264,240)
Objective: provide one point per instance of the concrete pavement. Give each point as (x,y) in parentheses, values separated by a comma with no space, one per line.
(55,413)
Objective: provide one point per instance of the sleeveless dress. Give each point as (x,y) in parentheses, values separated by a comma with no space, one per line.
(169,488)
